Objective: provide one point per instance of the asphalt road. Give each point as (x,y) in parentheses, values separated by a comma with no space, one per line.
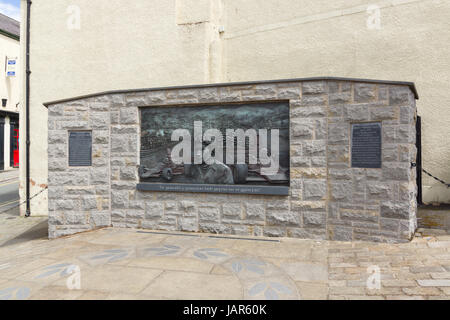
(9,195)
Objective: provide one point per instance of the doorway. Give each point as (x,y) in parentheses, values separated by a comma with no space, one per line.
(14,143)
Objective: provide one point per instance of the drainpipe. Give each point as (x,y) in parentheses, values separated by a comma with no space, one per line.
(27,108)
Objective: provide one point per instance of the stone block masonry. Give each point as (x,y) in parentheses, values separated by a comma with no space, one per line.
(328,198)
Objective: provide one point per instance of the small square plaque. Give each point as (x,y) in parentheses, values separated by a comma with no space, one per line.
(80,149)
(366,145)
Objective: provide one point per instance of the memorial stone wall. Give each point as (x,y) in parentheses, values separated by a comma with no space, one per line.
(346,169)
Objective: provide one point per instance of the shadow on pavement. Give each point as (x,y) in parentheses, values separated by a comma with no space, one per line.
(39,231)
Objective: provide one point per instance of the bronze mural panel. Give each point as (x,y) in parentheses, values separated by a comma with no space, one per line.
(263,159)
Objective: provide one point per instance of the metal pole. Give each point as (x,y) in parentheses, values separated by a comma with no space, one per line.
(419,160)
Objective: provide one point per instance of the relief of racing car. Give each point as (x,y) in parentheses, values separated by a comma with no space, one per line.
(215,173)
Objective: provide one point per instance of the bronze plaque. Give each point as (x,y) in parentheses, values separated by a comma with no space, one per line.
(366,145)
(80,149)
(235,144)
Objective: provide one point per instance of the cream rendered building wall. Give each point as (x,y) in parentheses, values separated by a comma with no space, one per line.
(152,43)
(119,44)
(282,39)
(9,88)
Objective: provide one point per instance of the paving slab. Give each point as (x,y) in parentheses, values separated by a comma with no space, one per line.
(306,272)
(312,291)
(56,293)
(110,278)
(175,285)
(173,264)
(434,283)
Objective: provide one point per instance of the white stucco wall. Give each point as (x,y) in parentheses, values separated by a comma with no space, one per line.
(9,89)
(9,86)
(118,45)
(310,38)
(156,43)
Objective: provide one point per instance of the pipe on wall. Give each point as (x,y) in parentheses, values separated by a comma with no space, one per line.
(27,108)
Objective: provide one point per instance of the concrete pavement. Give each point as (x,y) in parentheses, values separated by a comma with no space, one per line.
(135,264)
